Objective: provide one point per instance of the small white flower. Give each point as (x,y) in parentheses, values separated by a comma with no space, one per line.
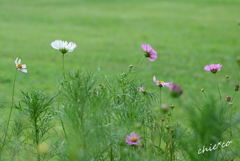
(19,66)
(63,46)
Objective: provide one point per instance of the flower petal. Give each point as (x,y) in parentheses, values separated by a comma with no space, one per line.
(207,68)
(146,47)
(24,70)
(24,66)
(154,79)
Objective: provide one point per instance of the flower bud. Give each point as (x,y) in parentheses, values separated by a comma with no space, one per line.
(42,148)
(236,87)
(141,89)
(228,98)
(102,86)
(164,108)
(176,90)
(137,125)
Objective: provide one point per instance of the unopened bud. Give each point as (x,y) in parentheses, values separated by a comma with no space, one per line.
(202,90)
(228,98)
(42,148)
(137,125)
(176,90)
(102,86)
(165,108)
(172,107)
(227,76)
(236,87)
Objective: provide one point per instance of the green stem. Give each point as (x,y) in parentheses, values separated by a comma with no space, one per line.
(218,89)
(9,117)
(161,128)
(230,115)
(233,96)
(37,139)
(64,131)
(63,70)
(204,93)
(227,85)
(138,67)
(160,97)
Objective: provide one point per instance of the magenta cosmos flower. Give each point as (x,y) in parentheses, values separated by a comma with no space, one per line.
(150,53)
(133,139)
(161,83)
(214,68)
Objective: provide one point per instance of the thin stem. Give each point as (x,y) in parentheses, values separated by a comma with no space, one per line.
(227,84)
(63,68)
(230,115)
(218,89)
(160,97)
(138,67)
(161,128)
(233,96)
(9,117)
(37,139)
(204,93)
(64,131)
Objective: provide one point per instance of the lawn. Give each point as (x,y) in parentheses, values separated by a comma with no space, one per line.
(187,35)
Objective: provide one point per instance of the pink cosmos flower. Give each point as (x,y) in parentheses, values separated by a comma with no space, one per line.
(161,83)
(133,139)
(141,89)
(150,53)
(214,68)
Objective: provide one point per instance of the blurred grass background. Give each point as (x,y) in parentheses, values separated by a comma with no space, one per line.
(186,34)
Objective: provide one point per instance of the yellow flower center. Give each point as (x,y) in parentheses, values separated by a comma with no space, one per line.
(19,66)
(160,81)
(134,139)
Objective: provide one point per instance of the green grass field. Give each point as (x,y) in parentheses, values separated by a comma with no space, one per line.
(186,34)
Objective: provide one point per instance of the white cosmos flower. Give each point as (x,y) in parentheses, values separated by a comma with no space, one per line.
(63,46)
(19,66)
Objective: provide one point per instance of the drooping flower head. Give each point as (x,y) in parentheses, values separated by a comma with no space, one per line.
(176,90)
(63,46)
(133,139)
(19,66)
(150,53)
(141,89)
(214,68)
(161,83)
